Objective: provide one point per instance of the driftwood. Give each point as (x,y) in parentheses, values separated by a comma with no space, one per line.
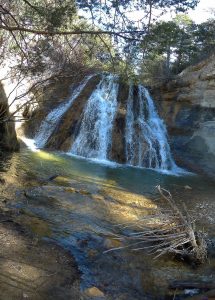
(167,231)
(192,245)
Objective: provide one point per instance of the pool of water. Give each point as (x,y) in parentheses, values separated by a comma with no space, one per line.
(80,204)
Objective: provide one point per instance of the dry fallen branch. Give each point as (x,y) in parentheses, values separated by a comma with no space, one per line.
(167,231)
(195,248)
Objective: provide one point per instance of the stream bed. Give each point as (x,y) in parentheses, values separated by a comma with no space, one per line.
(80,205)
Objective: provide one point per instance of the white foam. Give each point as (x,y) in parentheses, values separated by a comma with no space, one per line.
(95,135)
(30,143)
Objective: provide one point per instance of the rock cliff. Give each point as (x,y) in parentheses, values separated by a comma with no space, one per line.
(64,134)
(8,140)
(187,105)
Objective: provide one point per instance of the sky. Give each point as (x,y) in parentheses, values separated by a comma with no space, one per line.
(203,11)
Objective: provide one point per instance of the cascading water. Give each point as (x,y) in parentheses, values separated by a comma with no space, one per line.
(94,138)
(146,136)
(146,143)
(53,118)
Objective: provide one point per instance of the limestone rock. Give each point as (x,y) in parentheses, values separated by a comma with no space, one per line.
(187,105)
(68,128)
(118,134)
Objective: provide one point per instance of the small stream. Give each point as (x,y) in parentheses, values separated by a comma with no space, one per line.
(80,203)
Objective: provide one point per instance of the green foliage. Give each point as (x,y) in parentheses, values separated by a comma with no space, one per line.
(152,50)
(46,14)
(153,69)
(205,39)
(172,46)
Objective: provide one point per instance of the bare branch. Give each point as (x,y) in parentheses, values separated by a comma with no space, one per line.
(75,32)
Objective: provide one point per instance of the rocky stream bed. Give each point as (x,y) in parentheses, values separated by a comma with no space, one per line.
(60,214)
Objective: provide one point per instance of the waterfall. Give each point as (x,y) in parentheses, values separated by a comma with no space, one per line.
(53,118)
(145,133)
(95,134)
(145,137)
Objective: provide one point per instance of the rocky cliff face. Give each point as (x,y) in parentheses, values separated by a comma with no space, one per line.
(67,130)
(187,105)
(64,134)
(8,140)
(118,135)
(49,98)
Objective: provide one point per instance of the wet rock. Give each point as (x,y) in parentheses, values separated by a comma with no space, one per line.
(98,197)
(62,180)
(37,226)
(110,243)
(39,194)
(117,152)
(70,190)
(84,192)
(94,292)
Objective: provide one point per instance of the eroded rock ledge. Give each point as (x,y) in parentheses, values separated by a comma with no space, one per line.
(187,105)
